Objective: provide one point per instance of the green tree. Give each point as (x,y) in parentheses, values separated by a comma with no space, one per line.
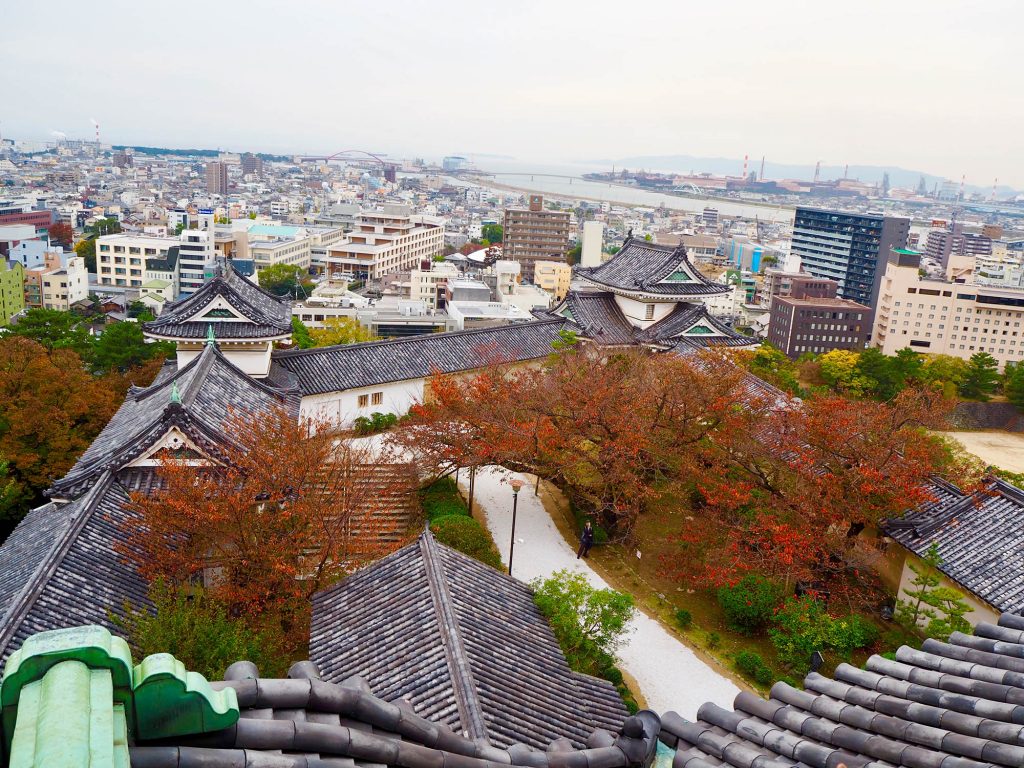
(573,255)
(589,623)
(772,365)
(87,250)
(55,330)
(122,346)
(300,334)
(1013,384)
(199,631)
(492,233)
(839,370)
(107,226)
(340,330)
(981,378)
(285,280)
(944,369)
(941,608)
(882,370)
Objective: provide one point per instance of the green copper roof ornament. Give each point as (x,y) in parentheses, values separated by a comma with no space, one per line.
(71,697)
(211,340)
(175,393)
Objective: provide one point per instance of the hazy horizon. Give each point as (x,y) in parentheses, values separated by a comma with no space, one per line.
(924,86)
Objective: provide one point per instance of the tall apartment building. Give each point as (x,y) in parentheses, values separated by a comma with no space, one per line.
(217,177)
(121,259)
(799,325)
(943,243)
(950,318)
(252,165)
(533,234)
(56,281)
(850,248)
(391,239)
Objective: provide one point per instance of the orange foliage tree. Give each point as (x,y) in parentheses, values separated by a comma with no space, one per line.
(778,486)
(51,409)
(286,509)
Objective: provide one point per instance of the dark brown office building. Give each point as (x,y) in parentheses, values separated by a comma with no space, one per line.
(818,325)
(534,234)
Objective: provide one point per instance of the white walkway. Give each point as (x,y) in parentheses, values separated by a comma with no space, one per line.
(670,675)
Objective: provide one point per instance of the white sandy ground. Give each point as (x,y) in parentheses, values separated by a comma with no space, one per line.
(1003,449)
(670,675)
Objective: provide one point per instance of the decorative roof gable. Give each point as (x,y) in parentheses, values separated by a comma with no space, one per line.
(233,306)
(647,271)
(190,406)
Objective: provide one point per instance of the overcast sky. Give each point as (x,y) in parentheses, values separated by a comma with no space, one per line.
(930,85)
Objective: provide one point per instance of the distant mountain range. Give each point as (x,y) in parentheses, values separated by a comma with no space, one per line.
(898,177)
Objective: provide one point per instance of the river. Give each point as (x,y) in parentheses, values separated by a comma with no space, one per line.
(510,175)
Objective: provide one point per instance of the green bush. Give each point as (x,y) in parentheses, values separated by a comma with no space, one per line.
(197,630)
(600,536)
(683,618)
(465,534)
(752,666)
(749,604)
(442,498)
(748,662)
(714,639)
(377,422)
(803,626)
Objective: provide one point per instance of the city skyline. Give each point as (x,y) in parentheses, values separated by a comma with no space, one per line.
(798,82)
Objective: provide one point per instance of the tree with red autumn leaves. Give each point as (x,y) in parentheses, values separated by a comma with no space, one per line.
(780,487)
(61,234)
(286,509)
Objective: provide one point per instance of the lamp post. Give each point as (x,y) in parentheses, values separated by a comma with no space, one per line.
(516,484)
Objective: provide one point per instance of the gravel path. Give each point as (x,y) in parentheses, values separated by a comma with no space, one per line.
(670,675)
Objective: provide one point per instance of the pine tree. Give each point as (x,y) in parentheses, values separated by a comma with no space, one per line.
(1013,384)
(982,376)
(943,607)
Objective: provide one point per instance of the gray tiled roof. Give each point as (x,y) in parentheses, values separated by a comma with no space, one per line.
(684,317)
(269,315)
(599,319)
(211,388)
(334,369)
(980,539)
(305,722)
(639,267)
(70,573)
(463,643)
(948,705)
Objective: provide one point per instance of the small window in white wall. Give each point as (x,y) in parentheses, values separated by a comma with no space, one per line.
(364,401)
(649,314)
(378,398)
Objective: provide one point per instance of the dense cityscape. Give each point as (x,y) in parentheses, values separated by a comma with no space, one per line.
(575,451)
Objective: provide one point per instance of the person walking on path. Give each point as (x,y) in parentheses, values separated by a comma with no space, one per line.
(586,540)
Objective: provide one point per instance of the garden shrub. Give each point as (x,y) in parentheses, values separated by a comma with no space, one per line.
(752,666)
(377,422)
(714,639)
(749,604)
(465,534)
(803,626)
(683,618)
(442,498)
(198,630)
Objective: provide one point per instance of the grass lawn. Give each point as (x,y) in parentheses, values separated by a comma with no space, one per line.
(638,571)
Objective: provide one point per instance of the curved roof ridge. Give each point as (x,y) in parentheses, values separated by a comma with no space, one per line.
(464,686)
(314,351)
